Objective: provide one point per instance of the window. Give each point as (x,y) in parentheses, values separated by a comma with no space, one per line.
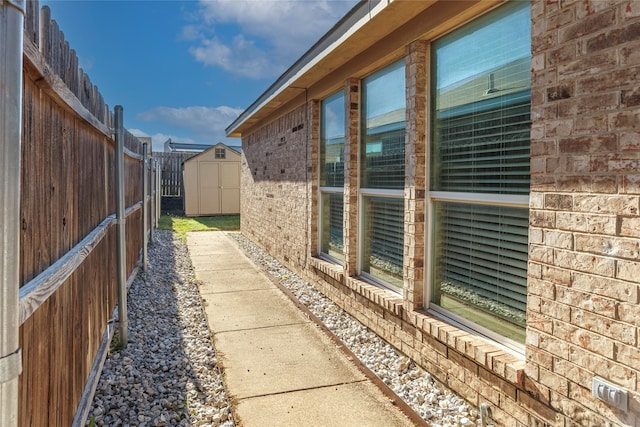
(221,153)
(332,130)
(382,176)
(479,172)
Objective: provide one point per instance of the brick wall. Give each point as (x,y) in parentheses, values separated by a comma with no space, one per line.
(275,187)
(584,264)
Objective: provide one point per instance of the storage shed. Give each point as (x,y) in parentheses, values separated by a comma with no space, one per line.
(212,182)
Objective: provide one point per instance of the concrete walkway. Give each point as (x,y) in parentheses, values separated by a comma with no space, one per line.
(280,369)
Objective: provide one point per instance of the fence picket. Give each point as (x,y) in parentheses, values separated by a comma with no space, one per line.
(67,196)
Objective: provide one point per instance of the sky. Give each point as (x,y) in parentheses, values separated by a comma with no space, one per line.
(186,69)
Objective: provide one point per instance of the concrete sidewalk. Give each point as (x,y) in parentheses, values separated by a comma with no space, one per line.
(280,368)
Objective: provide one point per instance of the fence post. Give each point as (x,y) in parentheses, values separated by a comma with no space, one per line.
(145,201)
(158,194)
(120,224)
(11,28)
(152,196)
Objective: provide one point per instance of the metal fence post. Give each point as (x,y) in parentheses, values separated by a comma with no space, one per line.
(120,221)
(145,204)
(11,27)
(152,196)
(158,193)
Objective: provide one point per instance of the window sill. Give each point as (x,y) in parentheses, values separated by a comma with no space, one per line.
(483,351)
(436,332)
(378,295)
(335,271)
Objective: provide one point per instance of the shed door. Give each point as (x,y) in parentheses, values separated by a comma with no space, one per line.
(209,188)
(230,187)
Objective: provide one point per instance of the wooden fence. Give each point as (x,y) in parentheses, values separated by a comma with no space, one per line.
(171,176)
(68,264)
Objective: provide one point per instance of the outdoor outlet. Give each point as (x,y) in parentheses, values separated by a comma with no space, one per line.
(609,393)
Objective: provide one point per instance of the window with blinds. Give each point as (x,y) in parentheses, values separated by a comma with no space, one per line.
(383,235)
(332,131)
(481,123)
(331,225)
(383,133)
(382,164)
(482,262)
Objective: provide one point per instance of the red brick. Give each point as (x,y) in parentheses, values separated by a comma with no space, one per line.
(613,38)
(587,25)
(586,144)
(589,65)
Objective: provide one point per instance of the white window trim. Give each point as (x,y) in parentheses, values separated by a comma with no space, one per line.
(365,192)
(480,198)
(515,348)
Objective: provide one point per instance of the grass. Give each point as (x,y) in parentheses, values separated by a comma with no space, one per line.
(182,225)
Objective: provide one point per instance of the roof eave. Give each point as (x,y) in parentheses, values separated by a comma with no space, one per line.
(357,17)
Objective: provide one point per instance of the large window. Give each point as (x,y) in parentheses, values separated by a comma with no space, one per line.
(479,172)
(332,130)
(382,175)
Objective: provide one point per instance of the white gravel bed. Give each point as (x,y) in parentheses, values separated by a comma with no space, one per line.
(168,374)
(436,404)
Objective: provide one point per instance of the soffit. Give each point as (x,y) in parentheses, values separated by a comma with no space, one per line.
(380,38)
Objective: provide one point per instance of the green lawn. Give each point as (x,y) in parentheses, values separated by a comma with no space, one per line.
(182,225)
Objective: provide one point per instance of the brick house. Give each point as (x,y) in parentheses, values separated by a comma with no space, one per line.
(464,178)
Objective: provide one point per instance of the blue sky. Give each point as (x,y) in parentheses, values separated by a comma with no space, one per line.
(185,69)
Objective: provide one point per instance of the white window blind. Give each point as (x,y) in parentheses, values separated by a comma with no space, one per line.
(382,170)
(383,232)
(482,257)
(481,75)
(332,240)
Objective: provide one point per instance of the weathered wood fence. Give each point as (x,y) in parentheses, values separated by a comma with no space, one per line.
(68,276)
(171,182)
(171,176)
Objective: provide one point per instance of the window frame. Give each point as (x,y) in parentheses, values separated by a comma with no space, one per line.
(432,197)
(326,189)
(364,192)
(220,153)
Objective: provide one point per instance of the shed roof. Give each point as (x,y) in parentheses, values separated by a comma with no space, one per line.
(212,147)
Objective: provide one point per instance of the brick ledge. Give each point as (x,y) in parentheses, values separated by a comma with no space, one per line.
(480,350)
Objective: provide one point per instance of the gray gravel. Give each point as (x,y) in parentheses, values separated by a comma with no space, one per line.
(168,375)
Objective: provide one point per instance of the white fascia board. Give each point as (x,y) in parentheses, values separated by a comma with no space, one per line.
(249,112)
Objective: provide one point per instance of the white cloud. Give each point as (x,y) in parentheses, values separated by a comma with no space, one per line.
(268,35)
(206,123)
